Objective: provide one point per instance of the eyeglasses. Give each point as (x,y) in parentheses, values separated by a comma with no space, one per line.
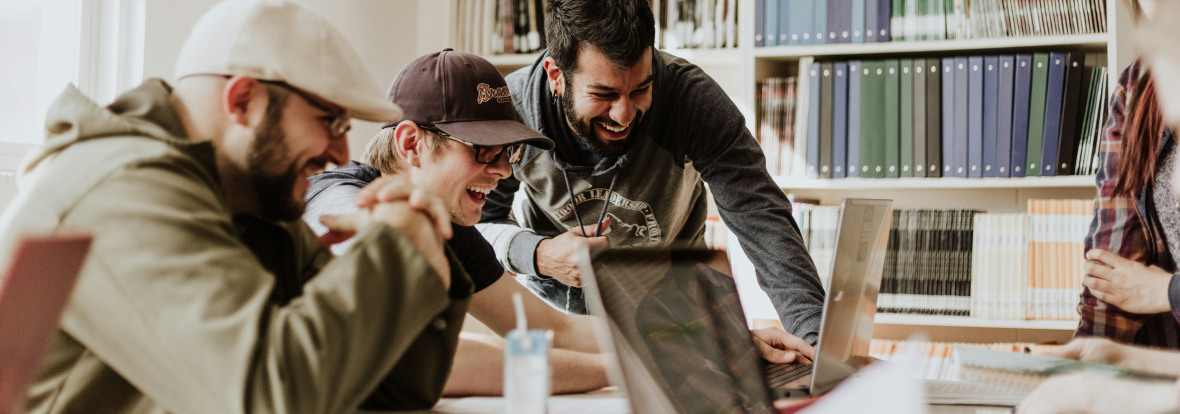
(485,154)
(340,123)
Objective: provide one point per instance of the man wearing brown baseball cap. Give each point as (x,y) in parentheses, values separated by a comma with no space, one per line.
(202,291)
(458,138)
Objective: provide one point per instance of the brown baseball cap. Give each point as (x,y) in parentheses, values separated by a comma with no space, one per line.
(463,95)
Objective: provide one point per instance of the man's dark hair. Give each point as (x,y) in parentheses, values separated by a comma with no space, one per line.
(620,29)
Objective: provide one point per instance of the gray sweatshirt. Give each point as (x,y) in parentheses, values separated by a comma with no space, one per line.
(692,134)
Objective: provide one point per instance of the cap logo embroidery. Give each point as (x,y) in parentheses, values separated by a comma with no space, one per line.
(487,93)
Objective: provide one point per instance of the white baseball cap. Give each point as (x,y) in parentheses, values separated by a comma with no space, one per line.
(281,40)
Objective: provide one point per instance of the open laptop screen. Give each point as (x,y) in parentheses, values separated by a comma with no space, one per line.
(676,324)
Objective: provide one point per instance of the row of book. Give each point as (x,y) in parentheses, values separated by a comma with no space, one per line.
(813,22)
(968,263)
(1040,282)
(691,24)
(936,359)
(966,116)
(488,27)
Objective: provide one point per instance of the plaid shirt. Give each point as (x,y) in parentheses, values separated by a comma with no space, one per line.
(1130,228)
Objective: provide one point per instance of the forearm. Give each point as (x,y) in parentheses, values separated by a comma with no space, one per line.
(516,247)
(576,334)
(479,368)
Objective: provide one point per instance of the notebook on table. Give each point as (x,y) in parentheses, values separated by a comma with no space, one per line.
(673,322)
(33,293)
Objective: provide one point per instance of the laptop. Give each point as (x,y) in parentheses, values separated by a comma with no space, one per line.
(675,326)
(33,293)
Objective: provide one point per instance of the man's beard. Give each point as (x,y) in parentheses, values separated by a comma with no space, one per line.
(275,192)
(585,130)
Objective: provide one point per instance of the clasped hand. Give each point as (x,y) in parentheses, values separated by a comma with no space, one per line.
(397,203)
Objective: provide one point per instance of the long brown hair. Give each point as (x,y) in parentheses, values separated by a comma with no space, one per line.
(1142,130)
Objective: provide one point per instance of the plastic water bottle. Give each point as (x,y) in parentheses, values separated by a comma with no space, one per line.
(526,367)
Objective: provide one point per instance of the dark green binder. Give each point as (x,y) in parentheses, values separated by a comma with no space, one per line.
(906,126)
(892,119)
(1036,113)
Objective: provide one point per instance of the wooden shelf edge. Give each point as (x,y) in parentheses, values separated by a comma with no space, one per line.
(969,322)
(804,183)
(846,49)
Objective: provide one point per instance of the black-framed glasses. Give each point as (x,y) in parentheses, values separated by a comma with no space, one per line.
(484,154)
(341,122)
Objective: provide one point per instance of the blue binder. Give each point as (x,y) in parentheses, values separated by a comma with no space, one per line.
(975,116)
(1004,115)
(1054,92)
(819,22)
(760,22)
(801,16)
(858,21)
(1021,91)
(884,12)
(853,163)
(991,77)
(770,21)
(962,124)
(840,120)
(813,107)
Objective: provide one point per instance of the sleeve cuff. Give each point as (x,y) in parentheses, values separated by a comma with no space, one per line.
(522,253)
(1174,296)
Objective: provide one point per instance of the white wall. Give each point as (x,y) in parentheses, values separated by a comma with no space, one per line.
(383,32)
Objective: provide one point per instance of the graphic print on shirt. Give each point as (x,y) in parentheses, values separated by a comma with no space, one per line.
(633,223)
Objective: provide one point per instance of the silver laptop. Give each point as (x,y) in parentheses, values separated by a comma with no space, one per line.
(673,321)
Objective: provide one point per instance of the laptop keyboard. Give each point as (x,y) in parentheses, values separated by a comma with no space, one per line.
(778,375)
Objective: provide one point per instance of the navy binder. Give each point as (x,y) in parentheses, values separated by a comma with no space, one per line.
(1054,93)
(853,145)
(1021,91)
(948,116)
(839,119)
(991,89)
(884,12)
(962,124)
(1004,100)
(813,108)
(975,116)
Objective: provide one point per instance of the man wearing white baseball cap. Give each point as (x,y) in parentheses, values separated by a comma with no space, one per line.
(204,292)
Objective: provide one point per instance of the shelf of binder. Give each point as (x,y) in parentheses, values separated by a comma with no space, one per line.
(804,183)
(794,52)
(970,322)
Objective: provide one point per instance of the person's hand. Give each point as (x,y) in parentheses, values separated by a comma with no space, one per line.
(780,347)
(397,188)
(417,226)
(1088,392)
(342,227)
(555,257)
(1090,349)
(1128,284)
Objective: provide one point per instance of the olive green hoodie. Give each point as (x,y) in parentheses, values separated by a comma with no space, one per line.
(182,308)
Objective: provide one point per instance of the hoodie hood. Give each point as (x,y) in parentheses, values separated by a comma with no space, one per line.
(145,111)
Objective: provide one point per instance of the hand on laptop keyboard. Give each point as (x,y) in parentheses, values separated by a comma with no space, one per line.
(780,347)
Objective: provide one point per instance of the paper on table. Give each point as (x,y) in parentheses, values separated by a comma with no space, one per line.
(576,404)
(882,387)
